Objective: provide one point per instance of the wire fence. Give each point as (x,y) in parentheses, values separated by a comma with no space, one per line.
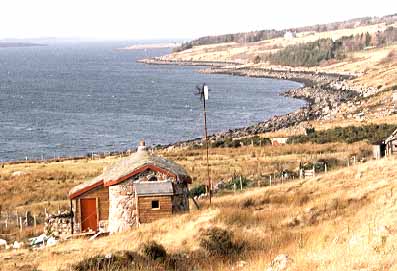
(13,223)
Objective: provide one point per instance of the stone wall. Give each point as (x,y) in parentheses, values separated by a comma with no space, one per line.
(59,224)
(122,207)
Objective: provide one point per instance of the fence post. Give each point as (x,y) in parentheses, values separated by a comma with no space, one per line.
(34,223)
(325,167)
(234,188)
(241,183)
(20,223)
(314,171)
(270,180)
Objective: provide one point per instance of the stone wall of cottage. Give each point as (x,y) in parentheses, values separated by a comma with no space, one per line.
(122,207)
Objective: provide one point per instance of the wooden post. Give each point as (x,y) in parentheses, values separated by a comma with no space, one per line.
(234,188)
(325,167)
(354,160)
(34,223)
(20,223)
(7,217)
(241,183)
(270,181)
(71,217)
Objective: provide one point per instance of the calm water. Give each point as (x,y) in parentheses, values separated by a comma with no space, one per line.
(71,99)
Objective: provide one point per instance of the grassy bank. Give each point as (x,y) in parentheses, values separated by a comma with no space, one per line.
(324,223)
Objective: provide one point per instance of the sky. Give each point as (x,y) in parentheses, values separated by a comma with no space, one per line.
(171,19)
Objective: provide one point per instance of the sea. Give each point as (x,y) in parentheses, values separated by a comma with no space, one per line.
(74,99)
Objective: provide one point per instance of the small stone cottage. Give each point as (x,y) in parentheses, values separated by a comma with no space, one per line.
(138,189)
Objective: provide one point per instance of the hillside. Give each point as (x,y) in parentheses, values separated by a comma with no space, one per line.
(255,36)
(372,67)
(342,220)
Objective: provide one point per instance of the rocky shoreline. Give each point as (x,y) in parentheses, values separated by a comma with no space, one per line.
(325,94)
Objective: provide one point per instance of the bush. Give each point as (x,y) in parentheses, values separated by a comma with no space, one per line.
(236,181)
(197,190)
(154,251)
(248,203)
(124,260)
(219,242)
(236,143)
(373,133)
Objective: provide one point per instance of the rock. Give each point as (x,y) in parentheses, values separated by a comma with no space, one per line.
(3,243)
(51,241)
(17,245)
(359,175)
(18,173)
(280,263)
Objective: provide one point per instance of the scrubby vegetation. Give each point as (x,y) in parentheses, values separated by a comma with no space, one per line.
(372,133)
(219,242)
(255,36)
(314,53)
(154,251)
(235,143)
(238,37)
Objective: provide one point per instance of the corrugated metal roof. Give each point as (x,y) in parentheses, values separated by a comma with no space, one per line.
(154,188)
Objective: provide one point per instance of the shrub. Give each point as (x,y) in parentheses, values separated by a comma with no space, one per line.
(219,242)
(248,203)
(373,133)
(257,59)
(154,251)
(236,181)
(236,143)
(197,190)
(125,260)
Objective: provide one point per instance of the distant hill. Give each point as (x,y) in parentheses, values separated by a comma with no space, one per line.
(4,44)
(255,36)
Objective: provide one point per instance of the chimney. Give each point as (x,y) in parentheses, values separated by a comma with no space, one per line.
(141,146)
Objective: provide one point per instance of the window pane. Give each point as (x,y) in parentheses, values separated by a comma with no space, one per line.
(155,204)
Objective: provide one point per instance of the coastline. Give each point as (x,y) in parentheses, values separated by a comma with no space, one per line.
(324,93)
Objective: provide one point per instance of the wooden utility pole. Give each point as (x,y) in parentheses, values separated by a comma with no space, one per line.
(203,92)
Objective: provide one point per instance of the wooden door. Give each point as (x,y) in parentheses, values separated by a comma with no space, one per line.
(89,216)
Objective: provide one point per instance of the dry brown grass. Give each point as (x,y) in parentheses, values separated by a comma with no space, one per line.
(257,162)
(45,185)
(325,223)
